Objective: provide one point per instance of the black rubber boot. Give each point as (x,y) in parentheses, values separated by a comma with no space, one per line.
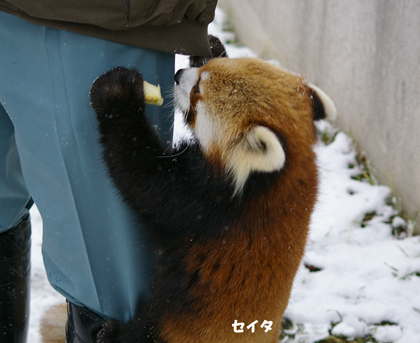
(82,324)
(15,265)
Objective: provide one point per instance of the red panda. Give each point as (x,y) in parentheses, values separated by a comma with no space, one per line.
(229,211)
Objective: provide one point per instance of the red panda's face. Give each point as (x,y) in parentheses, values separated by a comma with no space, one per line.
(244,112)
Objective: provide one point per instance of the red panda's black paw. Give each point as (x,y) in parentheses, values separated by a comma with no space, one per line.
(109,332)
(117,93)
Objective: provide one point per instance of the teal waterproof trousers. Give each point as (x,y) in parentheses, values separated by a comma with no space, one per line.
(93,248)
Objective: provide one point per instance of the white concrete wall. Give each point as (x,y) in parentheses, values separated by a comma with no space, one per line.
(366,55)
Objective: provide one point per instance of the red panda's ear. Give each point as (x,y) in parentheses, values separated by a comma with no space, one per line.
(322,104)
(260,150)
(264,145)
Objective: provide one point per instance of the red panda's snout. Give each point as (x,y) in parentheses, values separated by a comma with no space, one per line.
(188,98)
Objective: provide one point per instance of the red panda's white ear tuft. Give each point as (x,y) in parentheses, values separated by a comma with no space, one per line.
(329,109)
(259,151)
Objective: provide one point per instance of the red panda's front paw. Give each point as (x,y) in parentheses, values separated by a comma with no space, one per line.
(117,93)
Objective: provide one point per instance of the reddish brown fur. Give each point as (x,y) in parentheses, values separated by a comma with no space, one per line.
(248,275)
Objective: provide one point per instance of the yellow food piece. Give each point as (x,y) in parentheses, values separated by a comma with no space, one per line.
(152,94)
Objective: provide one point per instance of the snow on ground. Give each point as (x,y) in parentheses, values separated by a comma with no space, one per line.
(367,276)
(355,274)
(42,294)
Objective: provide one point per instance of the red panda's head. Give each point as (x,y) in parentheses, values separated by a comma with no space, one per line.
(249,115)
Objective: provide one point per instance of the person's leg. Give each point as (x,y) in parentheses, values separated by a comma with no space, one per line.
(15,240)
(15,252)
(93,249)
(14,194)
